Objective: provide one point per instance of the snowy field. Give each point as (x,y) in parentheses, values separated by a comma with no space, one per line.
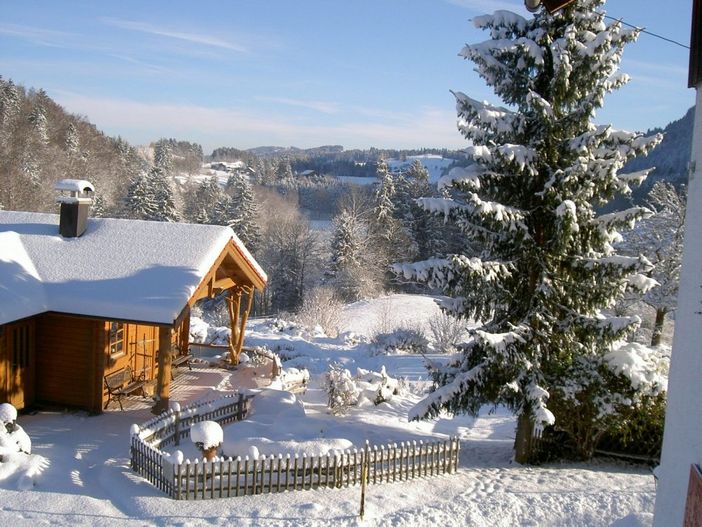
(79,471)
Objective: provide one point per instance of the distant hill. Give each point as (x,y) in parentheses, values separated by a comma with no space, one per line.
(40,143)
(277,151)
(670,158)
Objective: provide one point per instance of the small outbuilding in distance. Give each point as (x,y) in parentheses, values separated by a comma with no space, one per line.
(84,298)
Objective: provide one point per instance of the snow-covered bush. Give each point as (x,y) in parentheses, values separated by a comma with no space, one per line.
(402,340)
(207,436)
(345,390)
(13,439)
(201,332)
(447,331)
(321,307)
(621,393)
(376,387)
(341,389)
(283,325)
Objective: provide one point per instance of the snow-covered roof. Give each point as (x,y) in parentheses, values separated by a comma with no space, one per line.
(118,269)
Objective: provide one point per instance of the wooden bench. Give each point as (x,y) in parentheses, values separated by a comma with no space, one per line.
(122,383)
(179,360)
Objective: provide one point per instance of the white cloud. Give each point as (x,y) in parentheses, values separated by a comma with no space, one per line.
(44,37)
(319,106)
(212,127)
(194,38)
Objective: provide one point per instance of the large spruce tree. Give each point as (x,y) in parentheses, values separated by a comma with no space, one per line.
(548,271)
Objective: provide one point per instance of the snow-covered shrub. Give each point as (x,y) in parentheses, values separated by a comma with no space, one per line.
(207,436)
(201,332)
(321,307)
(341,389)
(402,340)
(367,387)
(352,339)
(640,432)
(13,439)
(613,394)
(284,325)
(285,352)
(376,387)
(447,331)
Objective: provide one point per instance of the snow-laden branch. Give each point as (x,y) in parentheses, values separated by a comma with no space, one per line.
(442,396)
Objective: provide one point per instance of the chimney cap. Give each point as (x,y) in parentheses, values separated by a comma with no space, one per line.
(74,185)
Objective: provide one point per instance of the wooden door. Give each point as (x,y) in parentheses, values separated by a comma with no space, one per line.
(19,353)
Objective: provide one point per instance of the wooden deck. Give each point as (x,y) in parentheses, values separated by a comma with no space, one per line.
(194,385)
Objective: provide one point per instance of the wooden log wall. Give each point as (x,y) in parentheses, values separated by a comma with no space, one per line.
(67,360)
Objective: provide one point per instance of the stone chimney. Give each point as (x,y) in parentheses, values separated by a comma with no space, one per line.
(75,200)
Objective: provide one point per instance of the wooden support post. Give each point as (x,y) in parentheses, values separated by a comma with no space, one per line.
(244,318)
(364,479)
(163,379)
(234,306)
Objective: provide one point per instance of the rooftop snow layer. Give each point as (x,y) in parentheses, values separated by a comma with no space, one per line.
(118,269)
(74,185)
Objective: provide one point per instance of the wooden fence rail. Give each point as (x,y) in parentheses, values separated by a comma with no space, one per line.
(223,478)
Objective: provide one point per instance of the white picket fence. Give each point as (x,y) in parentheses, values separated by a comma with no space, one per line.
(223,478)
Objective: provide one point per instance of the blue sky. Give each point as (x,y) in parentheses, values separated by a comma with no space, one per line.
(276,72)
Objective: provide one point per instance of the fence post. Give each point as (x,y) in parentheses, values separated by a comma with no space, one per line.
(176,424)
(364,478)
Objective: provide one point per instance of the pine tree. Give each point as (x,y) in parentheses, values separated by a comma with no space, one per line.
(163,196)
(205,204)
(390,237)
(284,173)
(242,211)
(548,270)
(351,264)
(138,203)
(163,156)
(40,125)
(150,197)
(72,141)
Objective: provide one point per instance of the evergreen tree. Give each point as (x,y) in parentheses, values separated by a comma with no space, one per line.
(420,226)
(205,204)
(163,156)
(548,270)
(284,173)
(150,197)
(138,203)
(390,237)
(39,123)
(163,196)
(242,211)
(97,208)
(72,141)
(384,210)
(355,273)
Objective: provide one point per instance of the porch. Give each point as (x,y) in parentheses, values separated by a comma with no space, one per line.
(190,386)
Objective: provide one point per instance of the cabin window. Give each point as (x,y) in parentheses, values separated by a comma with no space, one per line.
(116,339)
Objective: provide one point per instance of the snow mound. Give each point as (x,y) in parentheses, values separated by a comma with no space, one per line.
(270,405)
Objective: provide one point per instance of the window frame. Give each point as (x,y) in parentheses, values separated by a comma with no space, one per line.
(115,339)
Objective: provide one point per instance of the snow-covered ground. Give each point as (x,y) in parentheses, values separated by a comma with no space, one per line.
(80,473)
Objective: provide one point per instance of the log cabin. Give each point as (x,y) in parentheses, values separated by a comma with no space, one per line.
(82,298)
